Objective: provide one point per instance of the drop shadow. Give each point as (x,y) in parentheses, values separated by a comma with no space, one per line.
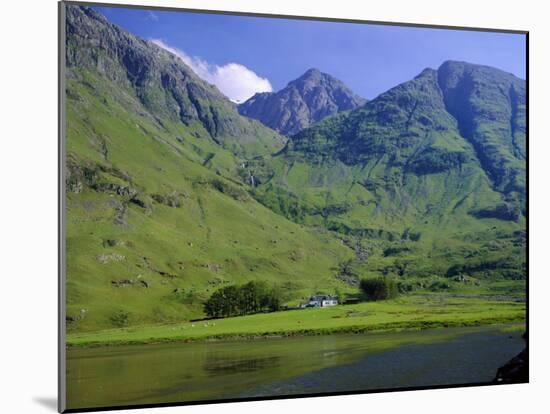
(48,402)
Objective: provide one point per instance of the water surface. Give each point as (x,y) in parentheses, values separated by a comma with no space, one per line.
(180,372)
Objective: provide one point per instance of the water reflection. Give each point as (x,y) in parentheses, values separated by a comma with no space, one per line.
(224,366)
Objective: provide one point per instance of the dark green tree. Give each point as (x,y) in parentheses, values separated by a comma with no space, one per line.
(252,297)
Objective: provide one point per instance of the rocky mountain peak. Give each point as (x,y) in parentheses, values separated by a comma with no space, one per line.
(304,101)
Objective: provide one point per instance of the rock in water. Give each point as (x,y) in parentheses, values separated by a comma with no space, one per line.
(516,370)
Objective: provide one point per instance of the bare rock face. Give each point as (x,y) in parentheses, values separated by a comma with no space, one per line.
(304,101)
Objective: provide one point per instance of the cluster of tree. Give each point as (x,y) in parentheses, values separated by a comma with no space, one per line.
(379,288)
(235,300)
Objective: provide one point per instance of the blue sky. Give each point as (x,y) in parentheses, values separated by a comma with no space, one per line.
(242,54)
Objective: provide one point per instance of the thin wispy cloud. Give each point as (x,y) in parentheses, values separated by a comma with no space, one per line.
(152,16)
(234,80)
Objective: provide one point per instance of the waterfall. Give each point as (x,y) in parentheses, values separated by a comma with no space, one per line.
(252,182)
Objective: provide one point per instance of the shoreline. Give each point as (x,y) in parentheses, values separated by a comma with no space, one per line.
(255,336)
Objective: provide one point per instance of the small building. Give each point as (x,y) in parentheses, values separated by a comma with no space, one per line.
(321,301)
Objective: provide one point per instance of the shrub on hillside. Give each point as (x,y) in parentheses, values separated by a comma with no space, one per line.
(378,288)
(119,319)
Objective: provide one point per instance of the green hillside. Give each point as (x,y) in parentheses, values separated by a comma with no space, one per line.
(152,232)
(413,193)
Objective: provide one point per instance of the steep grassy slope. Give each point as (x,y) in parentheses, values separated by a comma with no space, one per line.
(167,88)
(157,217)
(489,106)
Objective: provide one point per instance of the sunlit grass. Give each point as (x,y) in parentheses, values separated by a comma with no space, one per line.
(414,312)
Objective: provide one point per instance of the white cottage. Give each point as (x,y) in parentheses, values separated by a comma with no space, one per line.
(321,301)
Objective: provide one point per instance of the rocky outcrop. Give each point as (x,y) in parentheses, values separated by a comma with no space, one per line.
(112,257)
(170,200)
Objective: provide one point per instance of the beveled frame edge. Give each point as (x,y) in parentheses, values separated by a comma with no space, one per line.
(61,310)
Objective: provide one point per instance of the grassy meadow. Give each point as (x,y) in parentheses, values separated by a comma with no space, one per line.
(413,312)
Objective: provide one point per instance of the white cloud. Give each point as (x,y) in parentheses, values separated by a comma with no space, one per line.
(234,80)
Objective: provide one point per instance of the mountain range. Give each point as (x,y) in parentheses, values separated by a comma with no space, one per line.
(173,191)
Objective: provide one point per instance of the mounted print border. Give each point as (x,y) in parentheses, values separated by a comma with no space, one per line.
(231,229)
